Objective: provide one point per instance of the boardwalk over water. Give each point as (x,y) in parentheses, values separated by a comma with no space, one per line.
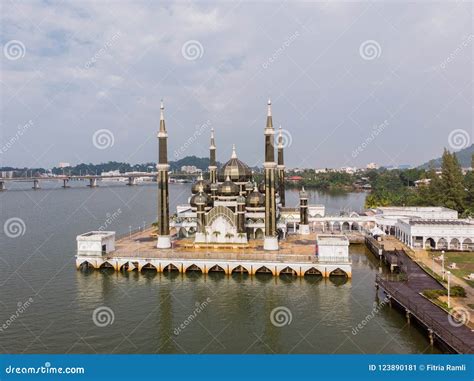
(407,294)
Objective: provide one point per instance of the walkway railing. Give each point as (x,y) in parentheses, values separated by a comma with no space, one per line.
(456,342)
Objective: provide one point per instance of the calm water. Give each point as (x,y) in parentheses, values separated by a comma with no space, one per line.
(234,313)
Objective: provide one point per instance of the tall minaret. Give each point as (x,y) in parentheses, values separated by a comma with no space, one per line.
(281,168)
(164,240)
(212,160)
(271,241)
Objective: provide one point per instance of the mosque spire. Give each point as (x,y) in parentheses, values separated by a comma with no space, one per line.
(269,114)
(281,168)
(234,154)
(162,117)
(212,159)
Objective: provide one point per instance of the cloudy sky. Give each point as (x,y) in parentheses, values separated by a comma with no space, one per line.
(351,83)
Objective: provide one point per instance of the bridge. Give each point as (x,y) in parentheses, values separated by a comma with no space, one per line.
(131,179)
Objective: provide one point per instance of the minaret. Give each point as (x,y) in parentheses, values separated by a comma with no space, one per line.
(271,240)
(164,240)
(304,226)
(212,160)
(281,168)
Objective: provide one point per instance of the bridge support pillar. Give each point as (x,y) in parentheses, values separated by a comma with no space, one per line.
(93,182)
(132,181)
(2,186)
(408,316)
(36,184)
(431,336)
(65,182)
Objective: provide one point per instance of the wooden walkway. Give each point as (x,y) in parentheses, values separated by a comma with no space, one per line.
(407,293)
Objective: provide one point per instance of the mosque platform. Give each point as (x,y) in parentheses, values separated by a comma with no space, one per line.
(137,252)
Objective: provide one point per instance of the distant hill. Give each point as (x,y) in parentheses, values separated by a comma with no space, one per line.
(464,157)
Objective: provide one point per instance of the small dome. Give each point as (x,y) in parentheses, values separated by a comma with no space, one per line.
(249,186)
(200,199)
(261,187)
(240,200)
(255,199)
(303,194)
(228,188)
(200,182)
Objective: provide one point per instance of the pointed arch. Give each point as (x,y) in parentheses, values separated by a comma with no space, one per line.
(338,272)
(313,271)
(216,268)
(193,268)
(240,270)
(288,271)
(264,270)
(170,268)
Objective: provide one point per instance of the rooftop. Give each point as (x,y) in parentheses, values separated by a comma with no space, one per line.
(438,222)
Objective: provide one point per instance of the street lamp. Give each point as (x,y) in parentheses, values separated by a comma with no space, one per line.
(449,289)
(442,263)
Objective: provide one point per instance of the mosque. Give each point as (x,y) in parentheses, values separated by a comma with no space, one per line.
(229,207)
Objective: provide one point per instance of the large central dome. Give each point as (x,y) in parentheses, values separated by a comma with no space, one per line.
(235,169)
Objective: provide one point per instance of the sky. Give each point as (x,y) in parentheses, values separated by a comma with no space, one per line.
(350,82)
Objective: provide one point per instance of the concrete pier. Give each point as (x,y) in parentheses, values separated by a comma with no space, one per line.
(138,252)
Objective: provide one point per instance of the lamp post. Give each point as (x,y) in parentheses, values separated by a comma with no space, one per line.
(442,263)
(449,289)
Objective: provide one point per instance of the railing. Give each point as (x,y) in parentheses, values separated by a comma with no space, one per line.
(456,343)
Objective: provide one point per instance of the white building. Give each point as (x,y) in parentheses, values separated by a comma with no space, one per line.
(64,165)
(441,234)
(95,243)
(387,217)
(190,169)
(332,248)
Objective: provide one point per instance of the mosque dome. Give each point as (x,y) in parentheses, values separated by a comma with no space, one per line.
(237,170)
(261,187)
(228,188)
(249,186)
(200,182)
(255,199)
